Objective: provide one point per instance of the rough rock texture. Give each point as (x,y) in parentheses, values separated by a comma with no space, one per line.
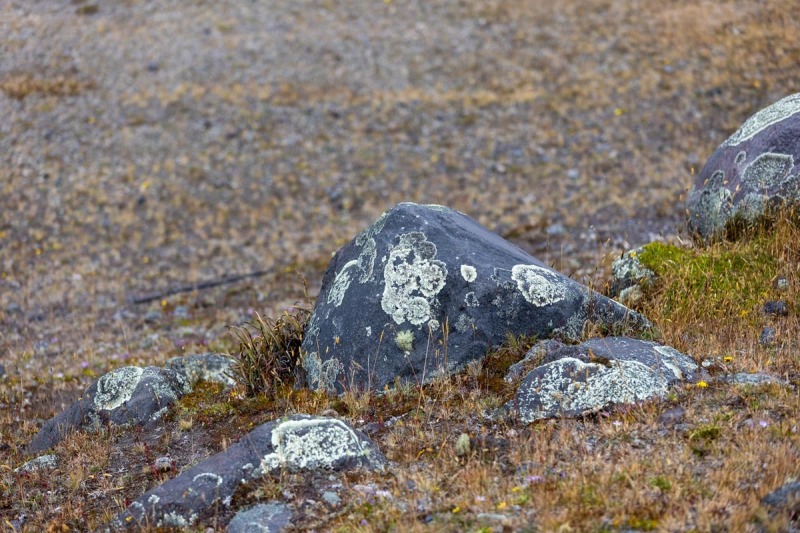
(300,442)
(128,395)
(757,378)
(210,367)
(628,274)
(271,517)
(426,289)
(575,380)
(753,169)
(43,462)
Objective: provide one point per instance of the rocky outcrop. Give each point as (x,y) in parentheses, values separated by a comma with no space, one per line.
(128,395)
(209,367)
(426,290)
(629,275)
(576,380)
(753,170)
(297,443)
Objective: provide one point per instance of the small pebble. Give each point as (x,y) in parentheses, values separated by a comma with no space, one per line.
(776,308)
(331,498)
(163,464)
(767,336)
(781,284)
(672,416)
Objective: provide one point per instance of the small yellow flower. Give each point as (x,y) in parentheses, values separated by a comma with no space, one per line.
(516,489)
(702,384)
(456,509)
(501,506)
(727,359)
(163,303)
(619,112)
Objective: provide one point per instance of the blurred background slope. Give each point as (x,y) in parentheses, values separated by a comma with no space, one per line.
(150,144)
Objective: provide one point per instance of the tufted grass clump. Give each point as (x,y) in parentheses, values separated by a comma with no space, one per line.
(724,281)
(269,351)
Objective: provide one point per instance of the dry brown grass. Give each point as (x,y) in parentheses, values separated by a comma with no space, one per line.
(588,115)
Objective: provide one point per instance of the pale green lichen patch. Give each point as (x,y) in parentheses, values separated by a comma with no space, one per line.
(570,386)
(413,278)
(404,340)
(322,375)
(312,443)
(767,171)
(539,286)
(469,273)
(780,110)
(43,462)
(116,387)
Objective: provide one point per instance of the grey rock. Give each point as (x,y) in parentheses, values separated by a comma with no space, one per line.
(672,416)
(210,367)
(181,311)
(776,308)
(126,396)
(331,498)
(426,290)
(752,171)
(43,462)
(629,274)
(757,378)
(163,464)
(576,380)
(153,316)
(296,443)
(2,370)
(781,283)
(767,336)
(788,493)
(271,517)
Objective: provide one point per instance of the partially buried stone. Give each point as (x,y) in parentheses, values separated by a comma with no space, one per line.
(577,380)
(296,443)
(208,367)
(271,517)
(751,172)
(767,337)
(776,308)
(128,395)
(425,290)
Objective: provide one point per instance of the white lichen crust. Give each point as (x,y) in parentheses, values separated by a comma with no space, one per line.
(469,273)
(569,386)
(312,443)
(780,110)
(539,286)
(116,387)
(412,279)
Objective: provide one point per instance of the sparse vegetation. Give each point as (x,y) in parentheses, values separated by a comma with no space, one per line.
(126,177)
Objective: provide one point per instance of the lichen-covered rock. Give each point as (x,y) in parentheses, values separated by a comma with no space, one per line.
(300,442)
(43,462)
(752,170)
(426,289)
(209,367)
(628,275)
(271,517)
(576,380)
(128,395)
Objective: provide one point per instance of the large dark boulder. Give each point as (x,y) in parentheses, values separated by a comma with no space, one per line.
(297,443)
(576,380)
(126,396)
(426,289)
(751,172)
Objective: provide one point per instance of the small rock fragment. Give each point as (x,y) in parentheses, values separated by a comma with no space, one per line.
(462,445)
(43,462)
(271,517)
(767,337)
(776,308)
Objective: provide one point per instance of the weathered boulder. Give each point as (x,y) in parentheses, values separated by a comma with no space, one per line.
(426,289)
(577,380)
(299,442)
(128,395)
(753,170)
(271,517)
(209,367)
(629,275)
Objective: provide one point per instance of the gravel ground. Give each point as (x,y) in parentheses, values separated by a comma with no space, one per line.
(147,145)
